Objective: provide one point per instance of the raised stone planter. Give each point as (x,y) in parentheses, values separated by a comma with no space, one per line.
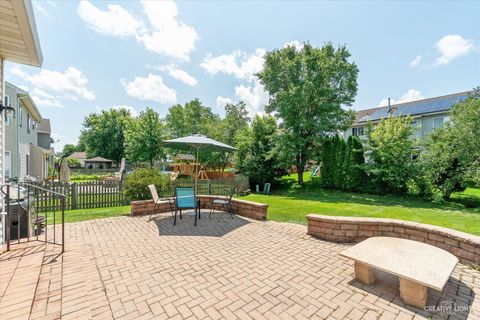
(249,209)
(464,246)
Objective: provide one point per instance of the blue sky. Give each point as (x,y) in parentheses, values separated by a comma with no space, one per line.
(99,55)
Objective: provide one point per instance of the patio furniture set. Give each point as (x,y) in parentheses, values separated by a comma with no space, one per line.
(185,198)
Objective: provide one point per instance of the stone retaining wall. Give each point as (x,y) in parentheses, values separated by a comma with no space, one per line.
(249,209)
(464,246)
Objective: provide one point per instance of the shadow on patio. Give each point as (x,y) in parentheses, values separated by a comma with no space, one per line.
(217,226)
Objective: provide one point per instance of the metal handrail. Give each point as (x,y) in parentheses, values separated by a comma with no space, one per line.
(30,199)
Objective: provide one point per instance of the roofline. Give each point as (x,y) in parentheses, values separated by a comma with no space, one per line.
(31,105)
(432,98)
(24,94)
(25,16)
(426,99)
(402,115)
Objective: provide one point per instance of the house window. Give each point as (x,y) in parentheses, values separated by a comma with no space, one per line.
(6,101)
(28,122)
(438,122)
(359,131)
(20,116)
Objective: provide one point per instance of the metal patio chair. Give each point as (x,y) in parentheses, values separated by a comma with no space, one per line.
(224,202)
(185,199)
(158,201)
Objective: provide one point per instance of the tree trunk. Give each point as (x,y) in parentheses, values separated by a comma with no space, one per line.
(301,162)
(300,169)
(151,163)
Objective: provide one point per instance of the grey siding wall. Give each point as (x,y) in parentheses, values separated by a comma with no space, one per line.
(427,122)
(18,139)
(11,133)
(2,141)
(43,140)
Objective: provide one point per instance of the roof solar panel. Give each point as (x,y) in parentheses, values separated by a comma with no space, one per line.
(418,107)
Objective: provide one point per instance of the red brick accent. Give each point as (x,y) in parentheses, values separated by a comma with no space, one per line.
(249,209)
(464,246)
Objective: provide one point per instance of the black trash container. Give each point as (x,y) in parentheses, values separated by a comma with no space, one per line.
(18,222)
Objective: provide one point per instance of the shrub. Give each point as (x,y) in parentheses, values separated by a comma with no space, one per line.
(136,184)
(441,165)
(73,163)
(390,149)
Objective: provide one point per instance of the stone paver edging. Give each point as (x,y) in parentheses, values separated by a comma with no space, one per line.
(355,229)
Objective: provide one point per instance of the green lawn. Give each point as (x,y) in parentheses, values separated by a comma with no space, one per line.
(89,214)
(292,203)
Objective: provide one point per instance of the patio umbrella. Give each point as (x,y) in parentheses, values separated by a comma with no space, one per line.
(197,143)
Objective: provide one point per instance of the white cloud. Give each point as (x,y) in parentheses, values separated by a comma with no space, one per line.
(169,36)
(241,65)
(415,62)
(47,103)
(51,87)
(222,102)
(52,3)
(410,95)
(177,73)
(165,35)
(115,21)
(183,76)
(294,43)
(17,71)
(150,88)
(453,46)
(43,11)
(71,83)
(255,97)
(45,99)
(132,110)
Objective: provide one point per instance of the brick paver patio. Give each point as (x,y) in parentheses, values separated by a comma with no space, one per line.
(132,268)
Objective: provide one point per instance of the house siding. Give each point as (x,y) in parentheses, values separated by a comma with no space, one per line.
(2,131)
(14,133)
(43,140)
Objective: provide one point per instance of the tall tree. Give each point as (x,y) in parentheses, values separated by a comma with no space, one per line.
(144,137)
(103,133)
(256,155)
(308,88)
(192,118)
(195,118)
(68,149)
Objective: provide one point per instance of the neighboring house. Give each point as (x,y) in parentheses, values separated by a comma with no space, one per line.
(18,43)
(98,163)
(44,134)
(44,142)
(23,155)
(427,114)
(81,156)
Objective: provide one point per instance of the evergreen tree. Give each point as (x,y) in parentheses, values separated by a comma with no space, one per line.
(355,173)
(339,165)
(328,163)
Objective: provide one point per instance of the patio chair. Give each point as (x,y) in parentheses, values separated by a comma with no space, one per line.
(224,202)
(158,201)
(185,199)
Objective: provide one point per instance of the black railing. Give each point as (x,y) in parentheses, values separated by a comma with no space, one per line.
(23,222)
